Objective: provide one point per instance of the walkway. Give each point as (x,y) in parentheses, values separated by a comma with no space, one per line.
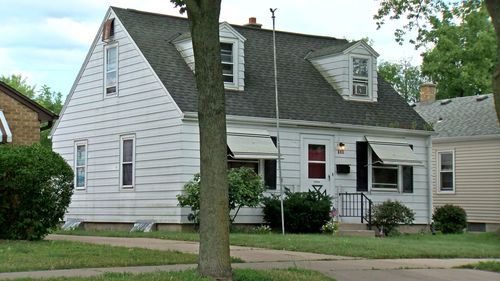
(338,267)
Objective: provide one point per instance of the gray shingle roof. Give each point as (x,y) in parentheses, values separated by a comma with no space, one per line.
(304,93)
(464,116)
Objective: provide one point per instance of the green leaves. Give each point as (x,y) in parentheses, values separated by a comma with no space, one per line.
(404,77)
(245,190)
(36,185)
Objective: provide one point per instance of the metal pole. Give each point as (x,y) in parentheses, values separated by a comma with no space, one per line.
(280,177)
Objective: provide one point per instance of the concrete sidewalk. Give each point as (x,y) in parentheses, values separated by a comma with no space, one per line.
(248,254)
(338,267)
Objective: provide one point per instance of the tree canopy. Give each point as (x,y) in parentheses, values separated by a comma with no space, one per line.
(431,19)
(404,77)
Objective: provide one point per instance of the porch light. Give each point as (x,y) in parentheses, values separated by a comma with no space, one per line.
(341,148)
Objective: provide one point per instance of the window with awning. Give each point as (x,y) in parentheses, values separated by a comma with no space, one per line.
(5,133)
(393,151)
(254,149)
(251,144)
(385,164)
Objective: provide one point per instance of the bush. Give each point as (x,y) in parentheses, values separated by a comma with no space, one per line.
(388,215)
(450,219)
(245,189)
(305,212)
(36,185)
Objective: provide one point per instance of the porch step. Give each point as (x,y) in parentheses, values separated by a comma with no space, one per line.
(363,233)
(353,226)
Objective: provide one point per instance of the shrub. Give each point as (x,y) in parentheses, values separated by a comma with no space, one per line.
(245,189)
(331,227)
(450,219)
(36,185)
(305,212)
(388,215)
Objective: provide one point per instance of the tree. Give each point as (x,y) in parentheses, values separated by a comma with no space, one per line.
(404,77)
(463,56)
(214,259)
(18,82)
(420,12)
(245,190)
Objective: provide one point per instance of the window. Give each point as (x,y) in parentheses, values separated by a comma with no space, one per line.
(127,161)
(384,176)
(316,161)
(372,174)
(226,53)
(360,77)
(111,70)
(446,171)
(80,165)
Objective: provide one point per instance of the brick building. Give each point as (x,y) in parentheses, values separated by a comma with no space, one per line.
(20,117)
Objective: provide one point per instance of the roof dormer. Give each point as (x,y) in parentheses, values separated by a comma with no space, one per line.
(351,69)
(232,55)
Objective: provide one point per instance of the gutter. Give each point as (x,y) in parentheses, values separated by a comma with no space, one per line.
(466,138)
(193,116)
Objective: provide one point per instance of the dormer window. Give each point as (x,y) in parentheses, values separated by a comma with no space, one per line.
(226,53)
(360,78)
(111,70)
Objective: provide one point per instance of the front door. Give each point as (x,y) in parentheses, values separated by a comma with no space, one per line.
(316,163)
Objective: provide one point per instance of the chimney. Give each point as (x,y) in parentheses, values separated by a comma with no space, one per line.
(252,22)
(427,93)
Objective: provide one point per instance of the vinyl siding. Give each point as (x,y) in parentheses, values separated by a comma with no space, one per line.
(292,166)
(477,179)
(142,108)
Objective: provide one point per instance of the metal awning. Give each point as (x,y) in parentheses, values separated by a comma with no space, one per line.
(251,144)
(5,133)
(393,151)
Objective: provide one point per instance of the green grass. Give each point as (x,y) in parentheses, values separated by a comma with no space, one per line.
(191,275)
(484,265)
(484,245)
(44,255)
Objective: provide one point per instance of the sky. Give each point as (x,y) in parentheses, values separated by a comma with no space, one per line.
(47,41)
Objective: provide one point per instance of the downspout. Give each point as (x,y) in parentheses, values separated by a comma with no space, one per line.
(48,126)
(429,178)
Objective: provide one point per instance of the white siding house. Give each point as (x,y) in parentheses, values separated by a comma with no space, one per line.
(133,141)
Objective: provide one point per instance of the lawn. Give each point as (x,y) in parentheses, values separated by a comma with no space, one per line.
(484,245)
(486,265)
(190,275)
(44,255)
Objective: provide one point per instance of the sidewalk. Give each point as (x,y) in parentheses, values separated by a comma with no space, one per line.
(338,267)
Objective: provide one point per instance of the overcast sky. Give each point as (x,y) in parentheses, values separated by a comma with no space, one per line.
(47,41)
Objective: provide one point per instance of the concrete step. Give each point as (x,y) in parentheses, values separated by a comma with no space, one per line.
(363,233)
(353,226)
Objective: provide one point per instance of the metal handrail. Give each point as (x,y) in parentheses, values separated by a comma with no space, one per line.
(356,204)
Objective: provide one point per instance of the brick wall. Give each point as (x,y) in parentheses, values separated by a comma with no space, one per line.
(23,122)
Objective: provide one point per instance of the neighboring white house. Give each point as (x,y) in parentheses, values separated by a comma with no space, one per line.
(466,155)
(129,125)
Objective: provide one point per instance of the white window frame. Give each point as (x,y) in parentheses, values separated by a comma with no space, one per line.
(369,95)
(105,64)
(122,139)
(438,171)
(235,44)
(76,166)
(399,187)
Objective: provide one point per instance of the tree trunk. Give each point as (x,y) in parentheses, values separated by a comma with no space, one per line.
(214,259)
(494,11)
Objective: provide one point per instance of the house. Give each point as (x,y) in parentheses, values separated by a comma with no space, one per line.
(129,125)
(20,117)
(466,153)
